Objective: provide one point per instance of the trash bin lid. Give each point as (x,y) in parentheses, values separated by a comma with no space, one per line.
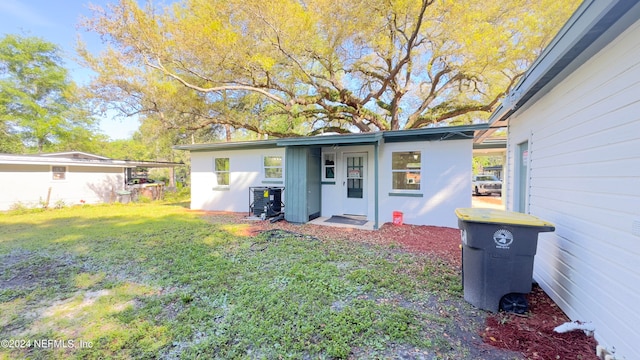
(493,216)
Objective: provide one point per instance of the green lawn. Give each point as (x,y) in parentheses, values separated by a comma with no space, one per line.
(154,280)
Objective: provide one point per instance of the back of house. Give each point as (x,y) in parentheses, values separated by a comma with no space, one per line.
(573,158)
(424,174)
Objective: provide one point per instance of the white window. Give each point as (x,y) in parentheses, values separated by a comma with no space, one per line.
(221,169)
(405,170)
(273,167)
(329,166)
(59,172)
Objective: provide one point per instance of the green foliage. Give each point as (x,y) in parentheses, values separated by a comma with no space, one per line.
(480,162)
(442,279)
(291,67)
(39,104)
(127,149)
(181,195)
(59,204)
(156,281)
(18,206)
(9,141)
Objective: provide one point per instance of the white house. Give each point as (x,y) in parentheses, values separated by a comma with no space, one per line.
(63,178)
(423,173)
(573,158)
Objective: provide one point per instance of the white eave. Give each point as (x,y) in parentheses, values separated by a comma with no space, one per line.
(59,161)
(75,155)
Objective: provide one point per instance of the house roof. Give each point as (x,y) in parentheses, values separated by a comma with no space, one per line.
(75,155)
(423,134)
(434,133)
(338,139)
(234,145)
(591,27)
(67,159)
(491,146)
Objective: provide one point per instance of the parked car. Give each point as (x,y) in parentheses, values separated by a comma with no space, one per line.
(486,184)
(135,181)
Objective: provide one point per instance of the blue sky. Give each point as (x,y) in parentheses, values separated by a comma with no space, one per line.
(56,21)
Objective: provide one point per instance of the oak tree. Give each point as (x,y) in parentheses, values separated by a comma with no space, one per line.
(300,67)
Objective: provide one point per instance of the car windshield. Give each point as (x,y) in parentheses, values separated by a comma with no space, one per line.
(486,178)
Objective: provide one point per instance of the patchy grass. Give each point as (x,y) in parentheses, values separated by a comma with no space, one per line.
(154,280)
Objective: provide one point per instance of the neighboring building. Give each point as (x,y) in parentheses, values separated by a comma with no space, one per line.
(63,178)
(423,173)
(573,158)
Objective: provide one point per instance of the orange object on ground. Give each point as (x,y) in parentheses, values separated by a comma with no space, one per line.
(398,218)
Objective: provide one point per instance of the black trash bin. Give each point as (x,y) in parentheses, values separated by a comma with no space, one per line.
(498,248)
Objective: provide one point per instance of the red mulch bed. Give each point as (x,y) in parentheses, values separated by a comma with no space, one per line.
(531,334)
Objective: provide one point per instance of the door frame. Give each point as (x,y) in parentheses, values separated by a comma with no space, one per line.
(358,206)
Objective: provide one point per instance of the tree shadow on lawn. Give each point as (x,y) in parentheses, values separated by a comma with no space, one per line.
(152,282)
(77,276)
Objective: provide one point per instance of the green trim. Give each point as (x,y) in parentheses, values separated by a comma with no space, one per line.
(376,167)
(344,139)
(272,182)
(406,194)
(239,145)
(370,138)
(328,182)
(436,133)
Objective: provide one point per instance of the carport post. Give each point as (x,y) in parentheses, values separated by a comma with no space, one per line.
(375,182)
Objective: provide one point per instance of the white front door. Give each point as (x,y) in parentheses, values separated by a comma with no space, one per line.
(355,189)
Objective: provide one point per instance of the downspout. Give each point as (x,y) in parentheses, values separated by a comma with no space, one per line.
(375,182)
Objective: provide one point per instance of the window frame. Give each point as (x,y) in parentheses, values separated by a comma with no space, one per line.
(325,155)
(265,168)
(54,172)
(407,170)
(217,173)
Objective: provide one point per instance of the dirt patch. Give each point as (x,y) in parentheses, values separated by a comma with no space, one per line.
(21,269)
(531,334)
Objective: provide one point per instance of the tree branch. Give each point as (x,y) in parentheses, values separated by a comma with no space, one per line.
(269,95)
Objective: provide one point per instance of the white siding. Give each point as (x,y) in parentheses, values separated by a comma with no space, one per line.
(30,184)
(334,192)
(445,183)
(584,176)
(246,170)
